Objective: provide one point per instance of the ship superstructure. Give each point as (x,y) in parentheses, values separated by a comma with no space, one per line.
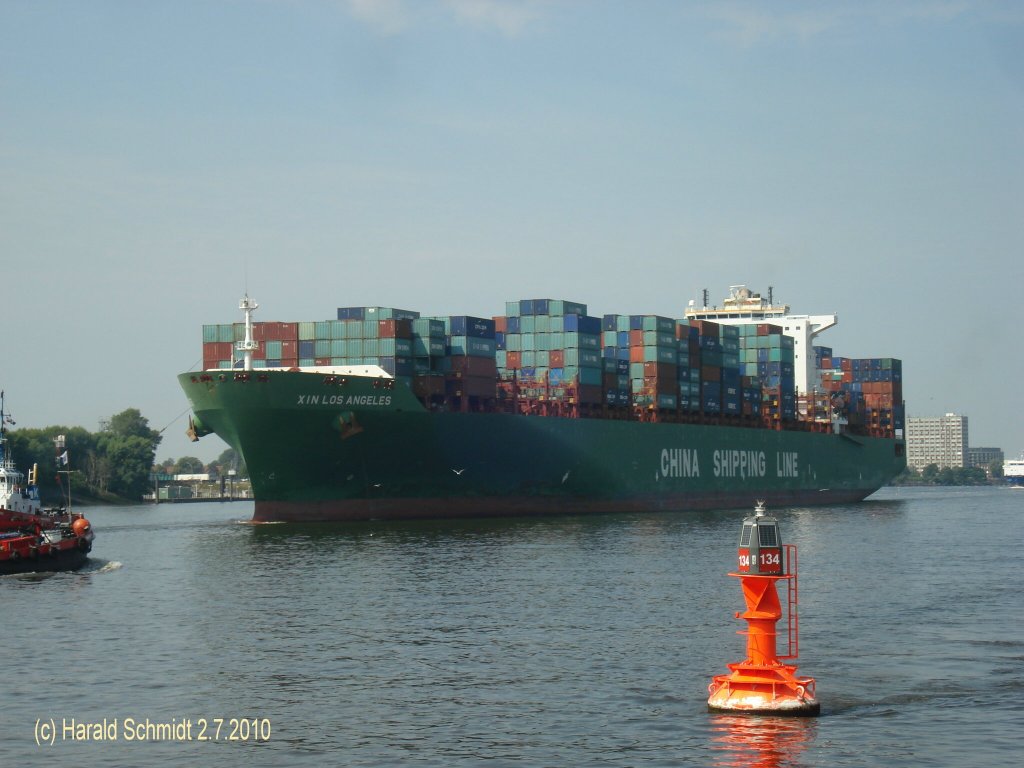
(744,306)
(1013,471)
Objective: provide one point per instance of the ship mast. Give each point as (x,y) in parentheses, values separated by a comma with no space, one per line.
(6,460)
(247,345)
(61,452)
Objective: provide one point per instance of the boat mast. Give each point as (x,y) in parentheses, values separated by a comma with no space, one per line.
(60,446)
(248,345)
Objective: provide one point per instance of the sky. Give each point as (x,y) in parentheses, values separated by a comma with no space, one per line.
(160,159)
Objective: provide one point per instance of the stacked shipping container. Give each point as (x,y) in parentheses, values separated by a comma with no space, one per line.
(550,351)
(649,345)
(767,356)
(868,391)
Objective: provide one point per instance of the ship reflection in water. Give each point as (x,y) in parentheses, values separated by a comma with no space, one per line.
(759,742)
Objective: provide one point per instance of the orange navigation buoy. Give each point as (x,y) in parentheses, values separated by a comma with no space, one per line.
(762,683)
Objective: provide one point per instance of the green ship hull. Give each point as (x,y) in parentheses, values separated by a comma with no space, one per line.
(356,448)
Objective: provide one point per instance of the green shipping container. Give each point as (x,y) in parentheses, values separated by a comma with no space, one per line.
(658,323)
(661,355)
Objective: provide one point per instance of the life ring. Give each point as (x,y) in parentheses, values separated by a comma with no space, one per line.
(800,691)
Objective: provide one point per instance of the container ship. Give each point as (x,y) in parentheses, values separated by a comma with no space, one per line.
(379,413)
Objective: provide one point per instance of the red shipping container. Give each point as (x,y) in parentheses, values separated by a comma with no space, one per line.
(636,354)
(289,362)
(636,339)
(289,349)
(474,366)
(458,385)
(500,324)
(281,331)
(322,361)
(710,373)
(661,370)
(705,328)
(556,358)
(513,360)
(662,386)
(426,385)
(217,350)
(259,331)
(386,329)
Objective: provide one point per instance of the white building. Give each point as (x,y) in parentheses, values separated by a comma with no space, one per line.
(940,440)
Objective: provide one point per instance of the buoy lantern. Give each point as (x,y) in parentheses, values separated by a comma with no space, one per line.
(762,683)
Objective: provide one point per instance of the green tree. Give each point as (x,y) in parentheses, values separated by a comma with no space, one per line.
(127,462)
(909,476)
(930,474)
(188,465)
(973,476)
(995,469)
(125,452)
(36,447)
(230,459)
(116,460)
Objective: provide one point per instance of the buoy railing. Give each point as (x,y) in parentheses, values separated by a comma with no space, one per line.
(792,604)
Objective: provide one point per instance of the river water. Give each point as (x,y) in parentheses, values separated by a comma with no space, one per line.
(547,642)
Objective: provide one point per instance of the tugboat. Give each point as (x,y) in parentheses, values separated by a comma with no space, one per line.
(34,538)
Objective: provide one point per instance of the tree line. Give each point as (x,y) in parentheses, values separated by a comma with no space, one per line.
(114,464)
(228,461)
(111,464)
(934,475)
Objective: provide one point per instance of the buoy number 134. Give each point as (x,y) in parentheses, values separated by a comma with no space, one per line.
(765,558)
